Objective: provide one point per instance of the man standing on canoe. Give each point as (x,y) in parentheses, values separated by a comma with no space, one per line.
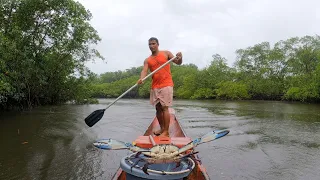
(161,94)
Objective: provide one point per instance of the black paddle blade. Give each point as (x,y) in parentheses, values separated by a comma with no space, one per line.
(94,117)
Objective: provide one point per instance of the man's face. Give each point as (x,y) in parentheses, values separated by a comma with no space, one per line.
(153,46)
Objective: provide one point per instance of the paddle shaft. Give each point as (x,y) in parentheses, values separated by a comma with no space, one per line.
(142,80)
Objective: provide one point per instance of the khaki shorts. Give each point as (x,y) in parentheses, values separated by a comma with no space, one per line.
(163,95)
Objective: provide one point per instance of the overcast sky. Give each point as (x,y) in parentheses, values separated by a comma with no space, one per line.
(197,28)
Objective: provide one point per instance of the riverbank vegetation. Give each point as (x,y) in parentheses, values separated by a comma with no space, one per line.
(43,47)
(45,43)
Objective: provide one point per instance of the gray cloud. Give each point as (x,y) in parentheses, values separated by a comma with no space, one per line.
(197,28)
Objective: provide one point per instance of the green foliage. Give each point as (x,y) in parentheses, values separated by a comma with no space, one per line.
(304,87)
(203,93)
(232,90)
(188,86)
(308,93)
(115,76)
(184,77)
(43,47)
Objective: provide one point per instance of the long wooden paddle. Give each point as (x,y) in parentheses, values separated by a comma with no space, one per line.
(95,116)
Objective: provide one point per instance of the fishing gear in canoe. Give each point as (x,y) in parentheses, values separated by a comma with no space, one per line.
(159,160)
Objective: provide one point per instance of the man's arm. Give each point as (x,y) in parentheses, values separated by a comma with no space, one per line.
(144,71)
(177,60)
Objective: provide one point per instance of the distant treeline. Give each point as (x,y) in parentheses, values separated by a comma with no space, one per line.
(287,70)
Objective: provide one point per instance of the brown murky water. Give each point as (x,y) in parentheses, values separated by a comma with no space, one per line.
(268,140)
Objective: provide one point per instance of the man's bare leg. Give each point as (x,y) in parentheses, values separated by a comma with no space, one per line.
(159,115)
(166,121)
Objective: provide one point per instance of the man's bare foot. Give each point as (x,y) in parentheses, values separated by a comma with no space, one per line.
(164,134)
(157,133)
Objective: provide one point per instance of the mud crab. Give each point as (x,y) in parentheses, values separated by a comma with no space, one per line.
(161,153)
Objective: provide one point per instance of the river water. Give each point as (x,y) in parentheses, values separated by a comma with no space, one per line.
(267,140)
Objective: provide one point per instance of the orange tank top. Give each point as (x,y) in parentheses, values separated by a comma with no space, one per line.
(163,77)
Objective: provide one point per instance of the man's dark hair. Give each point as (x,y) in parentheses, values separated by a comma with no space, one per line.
(154,39)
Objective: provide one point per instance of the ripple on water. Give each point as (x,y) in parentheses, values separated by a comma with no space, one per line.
(267,140)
